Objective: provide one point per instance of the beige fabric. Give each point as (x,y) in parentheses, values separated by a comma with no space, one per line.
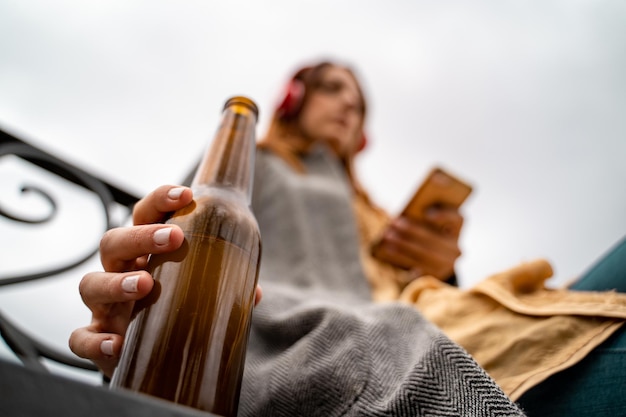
(518,330)
(520,335)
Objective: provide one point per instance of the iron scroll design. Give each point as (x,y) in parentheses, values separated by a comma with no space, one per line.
(32,189)
(26,347)
(88,182)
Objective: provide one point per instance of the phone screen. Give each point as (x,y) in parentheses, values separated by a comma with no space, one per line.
(439,188)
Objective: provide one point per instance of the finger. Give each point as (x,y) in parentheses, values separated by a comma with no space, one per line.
(122,247)
(432,259)
(437,264)
(421,232)
(392,254)
(416,246)
(101,348)
(445,220)
(420,261)
(404,228)
(99,290)
(258,295)
(156,206)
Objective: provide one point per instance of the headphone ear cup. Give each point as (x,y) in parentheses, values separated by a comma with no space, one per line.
(362,143)
(291,103)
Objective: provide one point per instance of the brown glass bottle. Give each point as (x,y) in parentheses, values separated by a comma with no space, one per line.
(188,345)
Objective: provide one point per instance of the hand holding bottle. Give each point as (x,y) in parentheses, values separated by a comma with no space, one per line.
(111,294)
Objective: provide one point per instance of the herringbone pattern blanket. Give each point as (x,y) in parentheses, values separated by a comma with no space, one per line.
(318,345)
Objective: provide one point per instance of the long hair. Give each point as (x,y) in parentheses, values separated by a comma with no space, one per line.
(284,137)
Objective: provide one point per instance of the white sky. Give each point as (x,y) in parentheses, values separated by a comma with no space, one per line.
(524,99)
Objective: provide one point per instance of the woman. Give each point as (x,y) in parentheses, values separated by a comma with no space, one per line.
(333,114)
(317,343)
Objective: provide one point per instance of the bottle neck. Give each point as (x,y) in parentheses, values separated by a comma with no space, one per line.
(229,161)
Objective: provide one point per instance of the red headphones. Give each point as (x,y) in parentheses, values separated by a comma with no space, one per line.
(291,105)
(362,143)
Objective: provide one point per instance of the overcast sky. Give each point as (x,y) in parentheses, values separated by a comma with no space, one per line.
(524,99)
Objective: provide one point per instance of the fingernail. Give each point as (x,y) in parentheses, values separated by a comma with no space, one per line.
(162,236)
(129,284)
(175,193)
(401,222)
(106,347)
(416,273)
(431,212)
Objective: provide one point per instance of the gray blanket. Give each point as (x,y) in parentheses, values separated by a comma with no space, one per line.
(318,345)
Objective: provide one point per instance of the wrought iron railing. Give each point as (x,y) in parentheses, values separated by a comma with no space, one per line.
(27,347)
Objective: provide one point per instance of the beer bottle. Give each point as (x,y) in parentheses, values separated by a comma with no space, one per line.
(188,344)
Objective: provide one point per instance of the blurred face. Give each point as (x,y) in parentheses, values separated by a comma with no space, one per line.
(333,112)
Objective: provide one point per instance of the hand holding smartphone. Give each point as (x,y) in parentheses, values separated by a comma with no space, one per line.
(439,189)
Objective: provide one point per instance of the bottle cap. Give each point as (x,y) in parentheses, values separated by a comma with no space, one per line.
(244,101)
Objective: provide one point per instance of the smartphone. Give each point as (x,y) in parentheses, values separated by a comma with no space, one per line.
(440,188)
